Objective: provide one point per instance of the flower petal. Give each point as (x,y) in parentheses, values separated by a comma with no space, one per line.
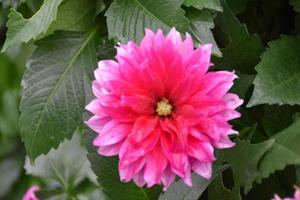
(128,172)
(155,165)
(112,133)
(110,150)
(203,169)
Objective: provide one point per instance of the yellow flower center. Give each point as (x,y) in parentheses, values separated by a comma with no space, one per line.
(163,107)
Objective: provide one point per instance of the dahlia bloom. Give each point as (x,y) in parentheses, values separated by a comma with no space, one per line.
(296,196)
(29,195)
(159,109)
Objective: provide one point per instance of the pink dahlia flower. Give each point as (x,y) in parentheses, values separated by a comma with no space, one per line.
(29,195)
(296,196)
(159,109)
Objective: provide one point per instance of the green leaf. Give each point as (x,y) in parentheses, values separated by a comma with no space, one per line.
(243,50)
(127,19)
(23,30)
(94,193)
(242,85)
(106,169)
(297,170)
(61,165)
(237,6)
(8,74)
(200,4)
(75,15)
(277,118)
(54,87)
(9,114)
(53,194)
(10,168)
(285,151)
(257,161)
(91,192)
(244,160)
(179,190)
(296,5)
(13,3)
(106,49)
(217,191)
(278,79)
(201,25)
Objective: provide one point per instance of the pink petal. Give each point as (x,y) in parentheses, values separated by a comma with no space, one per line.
(148,40)
(128,172)
(96,123)
(200,58)
(110,150)
(139,178)
(112,133)
(217,84)
(131,151)
(200,150)
(167,177)
(178,163)
(139,103)
(203,169)
(94,107)
(29,195)
(276,197)
(155,165)
(232,101)
(107,70)
(175,37)
(187,179)
(142,127)
(187,45)
(224,142)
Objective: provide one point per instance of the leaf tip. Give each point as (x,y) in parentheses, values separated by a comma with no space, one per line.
(252,103)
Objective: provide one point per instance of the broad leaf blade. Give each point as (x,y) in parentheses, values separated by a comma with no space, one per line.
(106,49)
(61,165)
(244,159)
(106,169)
(258,161)
(75,15)
(179,190)
(278,79)
(127,19)
(296,5)
(23,30)
(242,85)
(243,50)
(54,87)
(285,151)
(12,3)
(216,190)
(201,25)
(276,118)
(209,4)
(237,6)
(10,169)
(92,193)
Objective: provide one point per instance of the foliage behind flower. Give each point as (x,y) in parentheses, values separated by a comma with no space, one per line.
(159,109)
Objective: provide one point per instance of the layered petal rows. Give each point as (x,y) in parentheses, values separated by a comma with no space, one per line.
(161,111)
